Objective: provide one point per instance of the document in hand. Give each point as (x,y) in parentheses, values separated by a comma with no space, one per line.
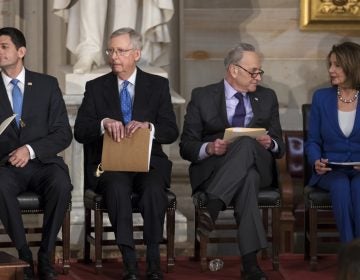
(130,154)
(6,123)
(234,132)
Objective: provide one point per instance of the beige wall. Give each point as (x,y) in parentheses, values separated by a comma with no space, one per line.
(293,60)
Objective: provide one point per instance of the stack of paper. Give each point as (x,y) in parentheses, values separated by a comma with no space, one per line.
(233,133)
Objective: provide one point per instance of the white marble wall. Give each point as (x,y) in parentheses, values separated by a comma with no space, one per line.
(294,60)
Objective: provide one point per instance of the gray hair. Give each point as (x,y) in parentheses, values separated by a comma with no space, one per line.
(237,53)
(135,37)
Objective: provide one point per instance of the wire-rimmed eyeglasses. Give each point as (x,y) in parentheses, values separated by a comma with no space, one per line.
(252,74)
(118,52)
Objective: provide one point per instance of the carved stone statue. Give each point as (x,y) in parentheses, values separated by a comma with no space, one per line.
(90,20)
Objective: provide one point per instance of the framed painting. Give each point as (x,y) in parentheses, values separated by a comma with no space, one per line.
(330,15)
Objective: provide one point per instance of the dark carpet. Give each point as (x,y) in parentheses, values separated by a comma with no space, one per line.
(292,267)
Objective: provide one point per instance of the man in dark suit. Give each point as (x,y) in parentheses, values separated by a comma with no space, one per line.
(103,111)
(29,148)
(232,173)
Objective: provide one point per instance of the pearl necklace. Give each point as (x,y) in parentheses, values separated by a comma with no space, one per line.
(351,100)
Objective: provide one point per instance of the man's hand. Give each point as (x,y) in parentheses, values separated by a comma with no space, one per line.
(118,131)
(132,126)
(19,157)
(265,141)
(218,147)
(115,129)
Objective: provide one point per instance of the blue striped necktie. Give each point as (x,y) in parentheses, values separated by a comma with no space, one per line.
(240,112)
(125,102)
(17,100)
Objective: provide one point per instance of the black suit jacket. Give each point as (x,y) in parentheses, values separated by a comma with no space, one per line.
(152,103)
(47,129)
(206,120)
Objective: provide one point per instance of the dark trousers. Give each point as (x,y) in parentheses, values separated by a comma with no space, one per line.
(236,180)
(117,188)
(48,180)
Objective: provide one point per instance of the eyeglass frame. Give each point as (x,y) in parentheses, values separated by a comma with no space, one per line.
(118,52)
(253,75)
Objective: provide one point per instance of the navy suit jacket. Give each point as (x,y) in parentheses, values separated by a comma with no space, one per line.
(152,103)
(206,120)
(325,138)
(47,129)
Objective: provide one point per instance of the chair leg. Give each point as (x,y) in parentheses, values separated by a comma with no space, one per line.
(66,242)
(196,241)
(313,238)
(275,237)
(203,250)
(170,231)
(87,233)
(265,217)
(98,239)
(203,253)
(306,234)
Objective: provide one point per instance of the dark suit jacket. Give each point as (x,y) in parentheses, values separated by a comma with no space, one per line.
(206,120)
(152,103)
(325,137)
(47,129)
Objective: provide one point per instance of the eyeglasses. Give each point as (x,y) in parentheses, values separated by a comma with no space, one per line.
(118,52)
(252,74)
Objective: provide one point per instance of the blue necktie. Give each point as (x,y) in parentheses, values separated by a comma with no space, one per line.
(125,101)
(17,100)
(240,112)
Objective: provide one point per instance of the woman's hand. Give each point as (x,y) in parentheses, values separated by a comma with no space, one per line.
(321,166)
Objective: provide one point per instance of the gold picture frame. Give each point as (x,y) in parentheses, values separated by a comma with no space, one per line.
(330,15)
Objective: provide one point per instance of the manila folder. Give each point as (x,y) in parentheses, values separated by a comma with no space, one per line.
(130,154)
(233,133)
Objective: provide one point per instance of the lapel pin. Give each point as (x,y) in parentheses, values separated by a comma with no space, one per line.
(256,99)
(29,83)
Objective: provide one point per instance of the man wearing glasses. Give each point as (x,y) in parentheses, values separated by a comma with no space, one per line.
(232,173)
(118,104)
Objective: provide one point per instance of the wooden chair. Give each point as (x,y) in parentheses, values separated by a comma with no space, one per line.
(318,217)
(31,203)
(94,205)
(274,199)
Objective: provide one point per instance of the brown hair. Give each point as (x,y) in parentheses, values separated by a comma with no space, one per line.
(348,57)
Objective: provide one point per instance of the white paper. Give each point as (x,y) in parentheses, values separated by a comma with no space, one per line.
(347,163)
(6,123)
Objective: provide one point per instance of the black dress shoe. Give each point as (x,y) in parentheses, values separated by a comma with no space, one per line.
(206,224)
(130,271)
(254,274)
(26,255)
(45,269)
(154,271)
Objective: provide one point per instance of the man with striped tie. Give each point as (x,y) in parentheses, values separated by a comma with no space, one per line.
(232,173)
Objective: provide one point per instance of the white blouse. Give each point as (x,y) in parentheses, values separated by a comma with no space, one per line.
(346,121)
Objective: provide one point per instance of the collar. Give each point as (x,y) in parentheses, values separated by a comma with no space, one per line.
(230,91)
(20,77)
(131,79)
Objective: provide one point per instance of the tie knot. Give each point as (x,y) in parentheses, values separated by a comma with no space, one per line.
(238,95)
(125,84)
(14,81)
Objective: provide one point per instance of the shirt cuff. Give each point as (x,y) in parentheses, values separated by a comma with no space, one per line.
(275,149)
(31,151)
(203,154)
